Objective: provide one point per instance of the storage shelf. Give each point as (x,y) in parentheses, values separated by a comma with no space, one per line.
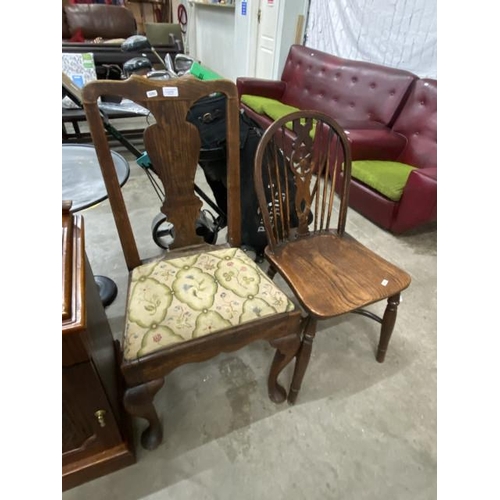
(218,5)
(161,2)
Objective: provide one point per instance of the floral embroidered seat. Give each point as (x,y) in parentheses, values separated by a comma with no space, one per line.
(180,299)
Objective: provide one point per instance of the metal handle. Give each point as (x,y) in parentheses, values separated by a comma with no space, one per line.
(100,417)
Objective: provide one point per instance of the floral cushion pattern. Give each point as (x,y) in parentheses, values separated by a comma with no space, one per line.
(176,300)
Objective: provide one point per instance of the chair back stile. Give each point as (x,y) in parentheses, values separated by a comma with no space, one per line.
(115,196)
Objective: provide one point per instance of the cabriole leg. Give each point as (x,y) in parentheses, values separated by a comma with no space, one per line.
(138,401)
(286,349)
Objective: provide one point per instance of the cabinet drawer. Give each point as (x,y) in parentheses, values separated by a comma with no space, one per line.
(88,423)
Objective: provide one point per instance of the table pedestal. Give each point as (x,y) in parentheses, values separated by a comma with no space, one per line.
(107,289)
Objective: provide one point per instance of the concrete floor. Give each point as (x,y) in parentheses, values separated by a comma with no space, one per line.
(359,430)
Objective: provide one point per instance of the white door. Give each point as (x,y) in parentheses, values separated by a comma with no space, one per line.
(267,28)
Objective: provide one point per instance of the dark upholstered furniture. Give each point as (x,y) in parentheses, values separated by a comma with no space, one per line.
(100,29)
(387,114)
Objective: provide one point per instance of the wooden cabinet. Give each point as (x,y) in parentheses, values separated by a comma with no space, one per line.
(96,436)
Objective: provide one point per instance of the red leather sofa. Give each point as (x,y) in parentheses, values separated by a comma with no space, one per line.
(416,126)
(388,114)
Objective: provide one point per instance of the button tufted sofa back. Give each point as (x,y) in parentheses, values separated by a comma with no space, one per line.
(418,123)
(343,88)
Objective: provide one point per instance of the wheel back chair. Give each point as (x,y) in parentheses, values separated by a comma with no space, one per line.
(194,300)
(329,271)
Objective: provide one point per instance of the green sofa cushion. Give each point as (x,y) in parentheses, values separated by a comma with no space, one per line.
(271,107)
(256,102)
(276,109)
(387,177)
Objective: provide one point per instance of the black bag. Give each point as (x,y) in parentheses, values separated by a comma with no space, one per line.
(209,115)
(253,233)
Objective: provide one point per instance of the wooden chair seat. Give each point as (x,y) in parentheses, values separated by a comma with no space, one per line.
(361,277)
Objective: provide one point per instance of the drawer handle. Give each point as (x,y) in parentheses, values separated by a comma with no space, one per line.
(100,417)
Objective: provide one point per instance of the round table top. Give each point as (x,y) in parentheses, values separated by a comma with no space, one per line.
(82,181)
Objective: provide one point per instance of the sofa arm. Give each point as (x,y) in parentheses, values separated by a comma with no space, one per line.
(375,144)
(418,204)
(273,89)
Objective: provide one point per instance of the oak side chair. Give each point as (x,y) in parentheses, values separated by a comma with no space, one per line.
(329,271)
(194,300)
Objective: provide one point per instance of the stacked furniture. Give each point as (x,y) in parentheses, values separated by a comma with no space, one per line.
(101,29)
(389,116)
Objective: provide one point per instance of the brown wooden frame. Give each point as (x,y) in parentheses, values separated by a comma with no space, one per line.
(329,271)
(173,145)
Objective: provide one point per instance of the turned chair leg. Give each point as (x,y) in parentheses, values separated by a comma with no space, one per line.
(286,349)
(303,357)
(388,322)
(138,401)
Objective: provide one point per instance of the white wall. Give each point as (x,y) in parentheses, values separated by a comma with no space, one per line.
(220,37)
(213,39)
(396,33)
(288,21)
(245,28)
(225,39)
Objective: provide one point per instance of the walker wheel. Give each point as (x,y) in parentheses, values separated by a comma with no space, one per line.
(163,231)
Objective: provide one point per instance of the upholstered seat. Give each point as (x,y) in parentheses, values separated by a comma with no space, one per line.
(176,300)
